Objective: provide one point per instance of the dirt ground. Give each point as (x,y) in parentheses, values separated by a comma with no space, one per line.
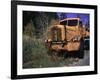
(82,62)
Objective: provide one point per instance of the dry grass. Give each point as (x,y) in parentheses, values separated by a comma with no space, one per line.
(35,55)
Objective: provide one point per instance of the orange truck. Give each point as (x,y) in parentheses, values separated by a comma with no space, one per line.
(67,36)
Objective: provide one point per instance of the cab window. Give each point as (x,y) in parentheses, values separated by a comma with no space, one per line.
(80,23)
(72,22)
(63,23)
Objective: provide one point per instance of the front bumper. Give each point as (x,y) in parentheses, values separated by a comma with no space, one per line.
(69,46)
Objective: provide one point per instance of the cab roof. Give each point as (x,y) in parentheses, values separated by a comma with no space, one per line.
(69,19)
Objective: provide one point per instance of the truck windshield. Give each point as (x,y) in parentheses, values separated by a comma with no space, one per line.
(72,22)
(63,22)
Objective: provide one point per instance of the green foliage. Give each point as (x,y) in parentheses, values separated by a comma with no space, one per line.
(35,55)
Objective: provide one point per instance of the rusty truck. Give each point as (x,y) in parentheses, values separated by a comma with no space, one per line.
(67,36)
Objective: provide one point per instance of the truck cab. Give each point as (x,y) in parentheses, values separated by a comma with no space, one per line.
(67,36)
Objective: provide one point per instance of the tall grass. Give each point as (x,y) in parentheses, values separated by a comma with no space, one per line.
(35,55)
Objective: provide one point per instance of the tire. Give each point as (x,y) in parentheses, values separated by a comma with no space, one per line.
(49,52)
(52,53)
(81,51)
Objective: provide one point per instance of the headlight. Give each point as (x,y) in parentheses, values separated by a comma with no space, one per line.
(48,40)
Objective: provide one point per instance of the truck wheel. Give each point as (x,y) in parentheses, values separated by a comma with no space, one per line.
(52,53)
(49,52)
(81,51)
